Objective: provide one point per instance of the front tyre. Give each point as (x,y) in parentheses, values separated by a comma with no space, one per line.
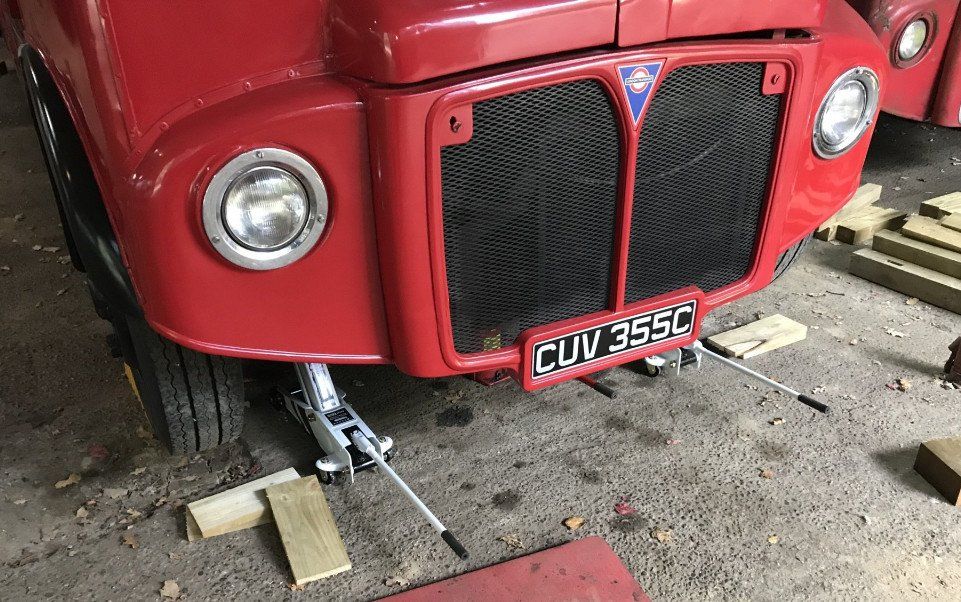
(790,257)
(194,401)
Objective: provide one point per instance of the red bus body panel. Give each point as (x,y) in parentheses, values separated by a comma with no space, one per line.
(929,88)
(164,93)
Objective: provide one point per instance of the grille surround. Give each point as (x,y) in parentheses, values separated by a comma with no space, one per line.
(448,308)
(529,224)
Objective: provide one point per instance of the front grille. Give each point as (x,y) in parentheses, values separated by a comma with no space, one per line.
(703,166)
(529,210)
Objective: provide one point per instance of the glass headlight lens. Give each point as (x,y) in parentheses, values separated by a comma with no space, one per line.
(842,113)
(265,208)
(846,112)
(912,39)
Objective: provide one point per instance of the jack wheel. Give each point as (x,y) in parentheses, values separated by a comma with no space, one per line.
(651,371)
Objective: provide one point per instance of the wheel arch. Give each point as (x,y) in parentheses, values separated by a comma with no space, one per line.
(89,234)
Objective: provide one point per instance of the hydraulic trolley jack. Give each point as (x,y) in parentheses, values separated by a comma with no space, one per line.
(349,443)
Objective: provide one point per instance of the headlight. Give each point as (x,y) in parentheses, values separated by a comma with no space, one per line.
(913,39)
(265,209)
(846,112)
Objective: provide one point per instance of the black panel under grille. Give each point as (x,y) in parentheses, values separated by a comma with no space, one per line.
(529,208)
(703,166)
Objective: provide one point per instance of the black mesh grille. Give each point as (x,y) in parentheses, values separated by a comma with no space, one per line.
(529,212)
(703,165)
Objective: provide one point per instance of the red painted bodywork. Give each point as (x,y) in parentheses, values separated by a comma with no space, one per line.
(586,570)
(929,88)
(164,93)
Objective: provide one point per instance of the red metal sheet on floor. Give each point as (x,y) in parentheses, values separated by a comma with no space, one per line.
(586,569)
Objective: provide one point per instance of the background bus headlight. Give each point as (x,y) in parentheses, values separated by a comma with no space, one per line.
(265,209)
(846,112)
(913,39)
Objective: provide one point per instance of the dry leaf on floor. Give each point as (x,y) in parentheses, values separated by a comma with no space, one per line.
(114,493)
(134,513)
(513,541)
(904,384)
(98,451)
(297,588)
(20,502)
(138,471)
(129,539)
(772,539)
(393,581)
(911,301)
(673,441)
(72,479)
(895,333)
(662,535)
(623,508)
(767,474)
(776,421)
(574,522)
(82,512)
(170,590)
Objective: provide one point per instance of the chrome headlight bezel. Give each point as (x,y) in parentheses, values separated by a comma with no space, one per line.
(869,80)
(237,253)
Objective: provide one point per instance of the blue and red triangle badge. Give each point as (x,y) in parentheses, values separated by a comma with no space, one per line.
(638,82)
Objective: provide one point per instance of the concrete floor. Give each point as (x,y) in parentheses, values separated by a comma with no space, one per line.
(852,519)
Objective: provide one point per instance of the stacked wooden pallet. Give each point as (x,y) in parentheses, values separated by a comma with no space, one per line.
(923,260)
(860,218)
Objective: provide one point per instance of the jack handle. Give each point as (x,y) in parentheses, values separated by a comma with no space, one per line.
(364,445)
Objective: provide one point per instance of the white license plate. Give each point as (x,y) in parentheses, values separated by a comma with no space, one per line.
(620,336)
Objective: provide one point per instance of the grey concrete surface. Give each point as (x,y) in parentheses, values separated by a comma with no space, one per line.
(852,520)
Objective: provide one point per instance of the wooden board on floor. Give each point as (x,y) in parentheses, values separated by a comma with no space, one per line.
(759,337)
(862,225)
(912,280)
(929,230)
(864,196)
(918,252)
(952,221)
(942,205)
(238,508)
(313,544)
(939,462)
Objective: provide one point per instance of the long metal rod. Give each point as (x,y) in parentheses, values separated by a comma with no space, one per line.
(364,445)
(806,400)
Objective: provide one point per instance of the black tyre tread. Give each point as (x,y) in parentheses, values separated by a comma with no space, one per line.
(201,395)
(789,257)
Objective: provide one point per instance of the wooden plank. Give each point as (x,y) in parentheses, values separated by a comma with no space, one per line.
(939,462)
(313,544)
(864,196)
(929,230)
(943,205)
(952,221)
(913,280)
(917,252)
(193,531)
(759,337)
(862,225)
(238,508)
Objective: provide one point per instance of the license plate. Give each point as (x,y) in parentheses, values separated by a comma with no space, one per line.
(614,338)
